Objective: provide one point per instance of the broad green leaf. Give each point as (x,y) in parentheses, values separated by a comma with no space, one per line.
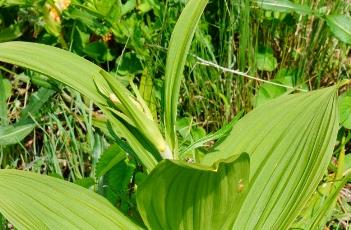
(187,196)
(11,33)
(89,19)
(265,60)
(33,201)
(267,92)
(104,7)
(115,185)
(35,102)
(128,7)
(340,26)
(290,141)
(112,156)
(99,51)
(285,77)
(86,182)
(12,134)
(345,110)
(13,2)
(70,69)
(179,45)
(129,63)
(77,73)
(285,6)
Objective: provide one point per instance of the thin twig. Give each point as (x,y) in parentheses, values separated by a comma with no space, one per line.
(204,62)
(224,69)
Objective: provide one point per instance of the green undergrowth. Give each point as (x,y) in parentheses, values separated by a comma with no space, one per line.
(243,55)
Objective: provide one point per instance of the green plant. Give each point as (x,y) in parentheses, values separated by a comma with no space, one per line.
(260,176)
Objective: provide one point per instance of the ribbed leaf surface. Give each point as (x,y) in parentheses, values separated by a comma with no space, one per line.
(290,141)
(72,70)
(182,196)
(77,73)
(32,201)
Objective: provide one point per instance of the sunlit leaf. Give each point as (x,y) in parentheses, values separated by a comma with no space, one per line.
(265,60)
(12,134)
(177,53)
(35,103)
(70,69)
(268,91)
(112,156)
(77,73)
(11,33)
(340,26)
(290,141)
(184,196)
(32,201)
(13,2)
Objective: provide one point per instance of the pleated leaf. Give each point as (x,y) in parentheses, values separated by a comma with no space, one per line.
(183,196)
(70,69)
(77,73)
(290,141)
(32,201)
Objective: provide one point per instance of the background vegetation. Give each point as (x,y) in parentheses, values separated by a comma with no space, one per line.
(237,48)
